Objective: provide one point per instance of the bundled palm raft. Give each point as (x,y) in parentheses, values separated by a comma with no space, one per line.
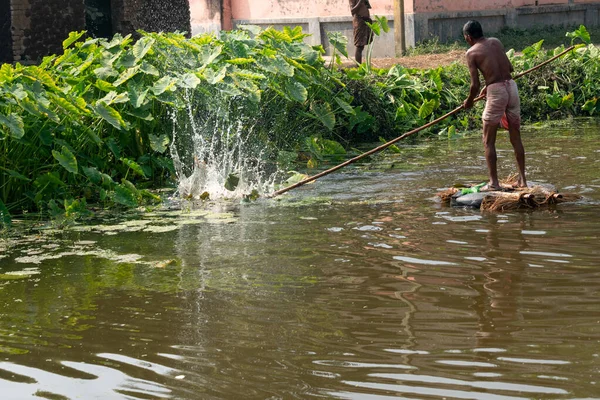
(536,195)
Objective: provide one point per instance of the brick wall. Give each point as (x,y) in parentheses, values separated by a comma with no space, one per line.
(5,35)
(151,15)
(32,29)
(40,26)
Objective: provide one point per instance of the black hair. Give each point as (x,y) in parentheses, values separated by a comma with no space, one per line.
(473,29)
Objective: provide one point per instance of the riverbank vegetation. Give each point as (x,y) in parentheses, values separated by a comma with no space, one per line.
(94,125)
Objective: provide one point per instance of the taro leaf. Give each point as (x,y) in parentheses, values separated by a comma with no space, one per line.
(134,166)
(104,85)
(590,106)
(66,159)
(93,174)
(554,100)
(324,114)
(149,69)
(14,123)
(295,177)
(383,21)
(213,77)
(159,143)
(345,106)
(190,81)
(137,95)
(568,100)
(105,72)
(375,27)
(141,113)
(277,65)
(451,131)
(6,73)
(112,98)
(125,196)
(253,29)
(534,49)
(580,33)
(166,83)
(312,163)
(232,182)
(240,61)
(331,147)
(73,37)
(209,54)
(16,175)
(114,147)
(126,75)
(142,47)
(426,109)
(110,115)
(339,42)
(401,112)
(4,215)
(296,91)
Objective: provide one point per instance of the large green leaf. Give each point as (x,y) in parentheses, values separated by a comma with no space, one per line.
(426,109)
(581,33)
(339,42)
(345,106)
(276,65)
(189,80)
(590,106)
(14,123)
(134,166)
(6,73)
(137,95)
(110,115)
(73,37)
(296,91)
(126,75)
(554,100)
(214,77)
(66,159)
(166,83)
(324,114)
(93,174)
(142,47)
(125,196)
(159,143)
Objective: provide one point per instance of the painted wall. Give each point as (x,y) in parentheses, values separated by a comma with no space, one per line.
(269,9)
(426,6)
(205,16)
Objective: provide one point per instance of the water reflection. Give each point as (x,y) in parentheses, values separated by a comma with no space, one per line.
(352,289)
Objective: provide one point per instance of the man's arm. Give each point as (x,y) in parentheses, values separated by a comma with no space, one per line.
(475,83)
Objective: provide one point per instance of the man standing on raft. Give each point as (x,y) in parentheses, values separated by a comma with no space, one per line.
(502,98)
(363,36)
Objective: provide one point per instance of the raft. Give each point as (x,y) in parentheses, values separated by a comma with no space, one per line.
(536,195)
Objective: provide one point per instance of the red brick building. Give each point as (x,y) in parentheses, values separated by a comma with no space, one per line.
(32,29)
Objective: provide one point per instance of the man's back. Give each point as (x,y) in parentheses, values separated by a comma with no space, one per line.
(489,57)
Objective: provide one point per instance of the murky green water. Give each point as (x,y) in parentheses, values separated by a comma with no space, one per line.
(357,287)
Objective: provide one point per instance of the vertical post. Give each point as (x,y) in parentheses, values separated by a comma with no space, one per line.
(399,30)
(226,15)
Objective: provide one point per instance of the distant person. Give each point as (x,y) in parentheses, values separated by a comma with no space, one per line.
(363,36)
(502,98)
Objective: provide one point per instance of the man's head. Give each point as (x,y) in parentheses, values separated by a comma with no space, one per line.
(472,32)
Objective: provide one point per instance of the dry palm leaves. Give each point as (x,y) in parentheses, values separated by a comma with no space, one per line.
(511,198)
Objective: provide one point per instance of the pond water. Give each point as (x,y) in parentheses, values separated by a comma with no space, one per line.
(359,286)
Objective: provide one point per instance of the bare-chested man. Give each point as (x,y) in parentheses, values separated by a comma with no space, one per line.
(363,36)
(502,98)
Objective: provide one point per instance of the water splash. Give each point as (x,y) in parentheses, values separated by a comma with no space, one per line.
(217,153)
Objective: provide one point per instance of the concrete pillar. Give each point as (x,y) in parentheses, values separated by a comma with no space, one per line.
(399,29)
(314,29)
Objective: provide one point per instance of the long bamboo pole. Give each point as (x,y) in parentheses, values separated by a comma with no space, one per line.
(407,134)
